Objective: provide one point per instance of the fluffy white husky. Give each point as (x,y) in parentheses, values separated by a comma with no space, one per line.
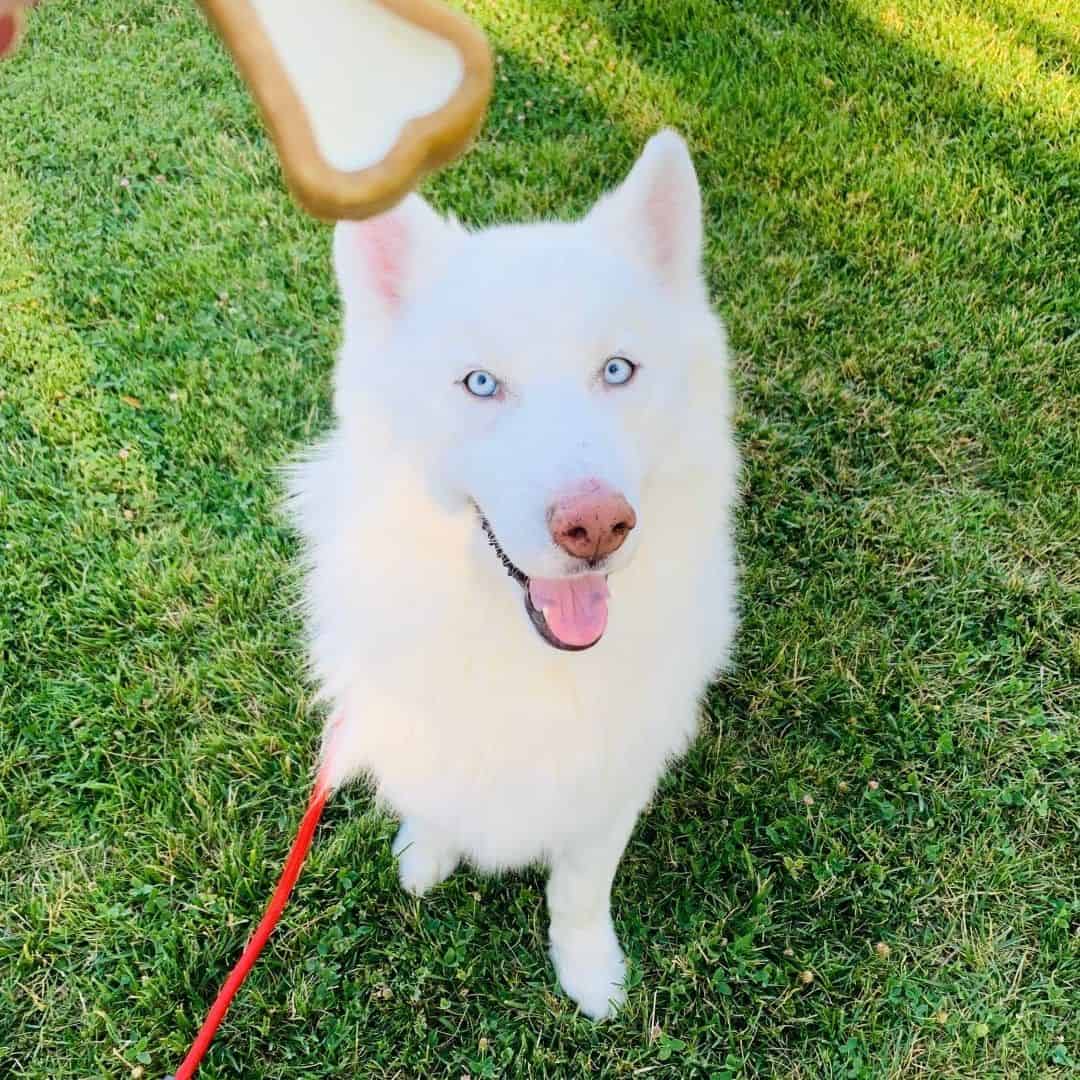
(522,573)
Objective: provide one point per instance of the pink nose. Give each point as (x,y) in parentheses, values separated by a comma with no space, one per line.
(592,523)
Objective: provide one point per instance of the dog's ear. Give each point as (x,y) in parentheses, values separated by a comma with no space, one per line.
(381,261)
(654,215)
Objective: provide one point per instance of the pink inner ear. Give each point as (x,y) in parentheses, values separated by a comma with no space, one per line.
(384,241)
(660,214)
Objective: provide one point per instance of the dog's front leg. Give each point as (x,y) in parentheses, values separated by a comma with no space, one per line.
(584,948)
(425,856)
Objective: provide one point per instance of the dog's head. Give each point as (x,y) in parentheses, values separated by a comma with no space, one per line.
(540,373)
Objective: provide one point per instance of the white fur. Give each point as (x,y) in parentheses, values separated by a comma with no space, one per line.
(490,744)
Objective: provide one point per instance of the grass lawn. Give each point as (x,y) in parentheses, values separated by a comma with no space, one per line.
(869,865)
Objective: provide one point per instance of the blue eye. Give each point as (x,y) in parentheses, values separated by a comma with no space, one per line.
(481,383)
(618,370)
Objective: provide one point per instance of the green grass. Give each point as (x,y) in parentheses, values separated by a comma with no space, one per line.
(887,794)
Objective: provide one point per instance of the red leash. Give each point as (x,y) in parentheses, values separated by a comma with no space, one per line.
(293,865)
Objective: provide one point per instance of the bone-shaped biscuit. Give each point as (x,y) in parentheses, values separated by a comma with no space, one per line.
(362,97)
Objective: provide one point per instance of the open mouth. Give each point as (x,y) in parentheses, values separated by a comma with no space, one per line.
(569,613)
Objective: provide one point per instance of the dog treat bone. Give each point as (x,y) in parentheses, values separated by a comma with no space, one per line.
(362,97)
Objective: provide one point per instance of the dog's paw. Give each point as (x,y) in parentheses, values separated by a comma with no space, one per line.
(423,861)
(591,969)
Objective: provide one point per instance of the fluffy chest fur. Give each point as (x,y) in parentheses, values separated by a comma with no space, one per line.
(450,702)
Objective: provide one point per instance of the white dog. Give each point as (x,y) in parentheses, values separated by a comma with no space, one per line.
(522,573)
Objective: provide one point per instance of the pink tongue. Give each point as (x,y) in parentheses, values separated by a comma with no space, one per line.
(575,608)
